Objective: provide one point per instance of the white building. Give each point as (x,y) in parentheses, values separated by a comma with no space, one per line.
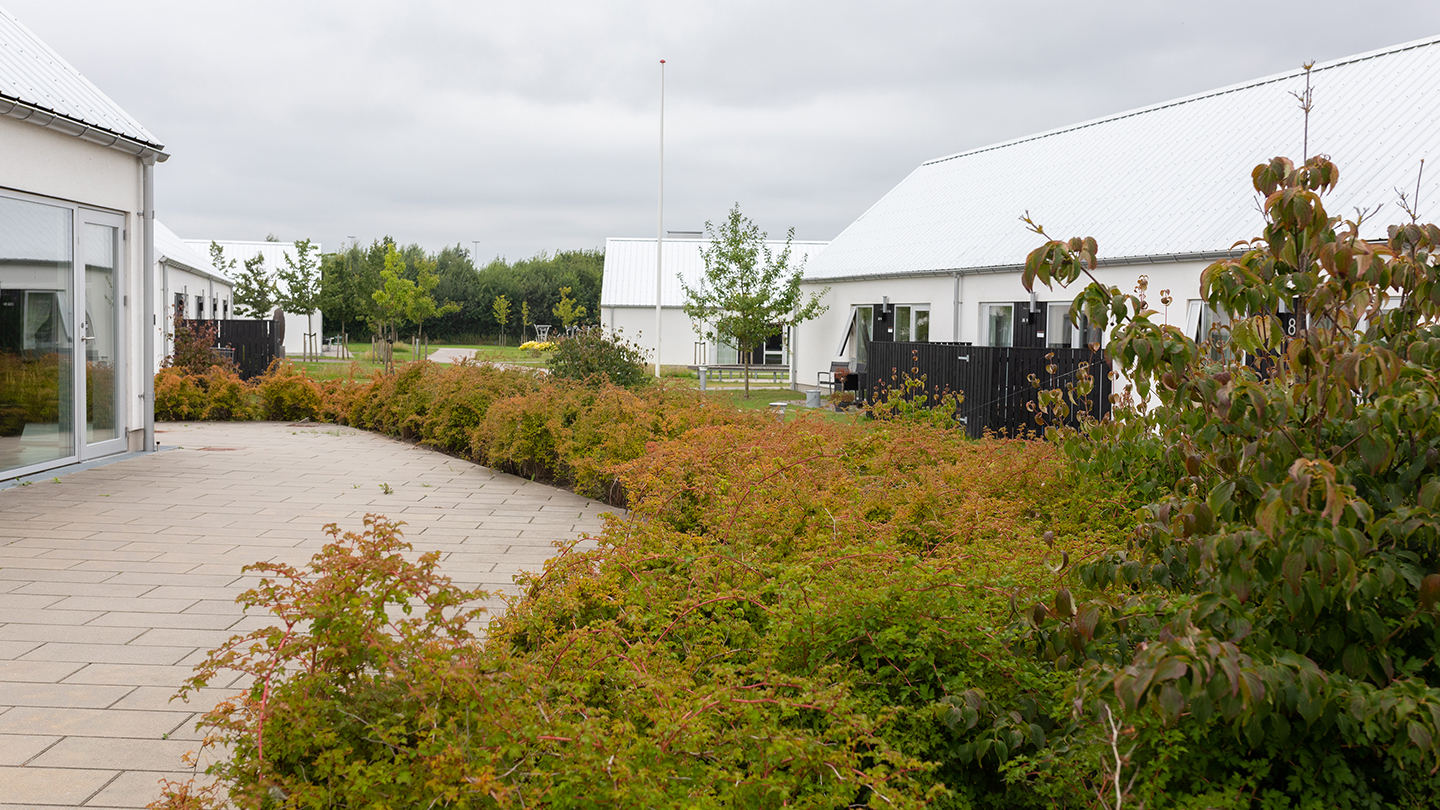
(627,299)
(77,329)
(297,324)
(189,287)
(1165,190)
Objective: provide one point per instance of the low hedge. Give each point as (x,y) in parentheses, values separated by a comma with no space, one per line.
(569,432)
(804,614)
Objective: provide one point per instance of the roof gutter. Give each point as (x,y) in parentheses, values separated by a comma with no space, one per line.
(69,126)
(1169,258)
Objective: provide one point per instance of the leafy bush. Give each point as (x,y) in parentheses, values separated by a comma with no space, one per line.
(594,355)
(29,390)
(287,393)
(195,348)
(804,614)
(1272,631)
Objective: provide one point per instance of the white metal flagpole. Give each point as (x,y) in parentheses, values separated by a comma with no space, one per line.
(660,224)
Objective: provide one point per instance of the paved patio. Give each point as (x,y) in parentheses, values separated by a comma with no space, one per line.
(115,581)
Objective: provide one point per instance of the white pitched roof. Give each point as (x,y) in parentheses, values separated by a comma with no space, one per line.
(34,74)
(174,250)
(1167,180)
(629,278)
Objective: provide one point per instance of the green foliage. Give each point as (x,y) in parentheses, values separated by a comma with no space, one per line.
(350,276)
(501,308)
(567,310)
(256,294)
(805,614)
(747,293)
(30,389)
(286,393)
(1277,606)
(597,356)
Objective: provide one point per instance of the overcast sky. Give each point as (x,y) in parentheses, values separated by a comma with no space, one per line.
(530,126)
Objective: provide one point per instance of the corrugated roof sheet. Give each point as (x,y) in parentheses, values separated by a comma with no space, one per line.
(173,249)
(34,74)
(1165,180)
(629,279)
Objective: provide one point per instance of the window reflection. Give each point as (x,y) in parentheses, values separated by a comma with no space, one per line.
(37,336)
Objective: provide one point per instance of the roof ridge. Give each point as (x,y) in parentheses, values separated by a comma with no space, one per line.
(1175,102)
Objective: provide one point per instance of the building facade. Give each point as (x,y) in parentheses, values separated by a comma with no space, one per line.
(77,326)
(1165,190)
(627,301)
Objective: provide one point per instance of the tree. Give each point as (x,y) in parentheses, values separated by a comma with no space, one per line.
(567,310)
(1280,598)
(747,293)
(255,292)
(392,301)
(421,305)
(301,292)
(501,308)
(217,260)
(524,317)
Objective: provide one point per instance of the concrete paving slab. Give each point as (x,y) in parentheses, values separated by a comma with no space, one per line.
(125,575)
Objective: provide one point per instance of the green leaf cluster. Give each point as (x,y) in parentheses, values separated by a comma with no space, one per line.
(1277,604)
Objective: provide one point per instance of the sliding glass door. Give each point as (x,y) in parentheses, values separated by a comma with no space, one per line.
(61,334)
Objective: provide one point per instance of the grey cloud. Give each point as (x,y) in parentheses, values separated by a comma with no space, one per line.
(533,126)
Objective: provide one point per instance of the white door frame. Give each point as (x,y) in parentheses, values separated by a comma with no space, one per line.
(119,443)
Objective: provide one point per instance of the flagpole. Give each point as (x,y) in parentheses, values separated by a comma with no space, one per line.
(660,221)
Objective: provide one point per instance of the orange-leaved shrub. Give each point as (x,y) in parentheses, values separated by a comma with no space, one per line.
(806,614)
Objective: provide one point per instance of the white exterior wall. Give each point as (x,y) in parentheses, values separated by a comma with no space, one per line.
(677,333)
(68,170)
(177,279)
(819,340)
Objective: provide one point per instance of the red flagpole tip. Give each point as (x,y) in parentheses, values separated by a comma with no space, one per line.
(662,61)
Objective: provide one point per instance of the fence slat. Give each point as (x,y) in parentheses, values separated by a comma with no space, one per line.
(994,380)
(253,342)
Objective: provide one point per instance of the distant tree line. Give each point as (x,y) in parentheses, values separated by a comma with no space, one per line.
(532,288)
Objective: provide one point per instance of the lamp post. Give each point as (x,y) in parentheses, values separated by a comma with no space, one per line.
(660,224)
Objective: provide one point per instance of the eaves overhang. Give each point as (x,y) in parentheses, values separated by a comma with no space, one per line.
(35,114)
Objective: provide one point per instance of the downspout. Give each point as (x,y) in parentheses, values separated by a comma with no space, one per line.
(955,322)
(147,258)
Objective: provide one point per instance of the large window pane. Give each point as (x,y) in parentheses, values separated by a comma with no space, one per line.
(37,333)
(922,326)
(902,324)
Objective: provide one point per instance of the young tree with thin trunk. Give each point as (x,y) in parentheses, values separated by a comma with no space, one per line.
(301,292)
(748,293)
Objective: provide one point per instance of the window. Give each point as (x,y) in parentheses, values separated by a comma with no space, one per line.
(1207,327)
(912,324)
(179,305)
(225,308)
(998,321)
(199,307)
(859,330)
(37,332)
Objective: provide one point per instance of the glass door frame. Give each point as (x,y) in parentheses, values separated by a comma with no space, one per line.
(119,443)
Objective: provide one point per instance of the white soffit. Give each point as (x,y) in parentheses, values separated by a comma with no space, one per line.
(35,75)
(629,277)
(1163,181)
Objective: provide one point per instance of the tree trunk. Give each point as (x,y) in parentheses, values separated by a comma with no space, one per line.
(748,358)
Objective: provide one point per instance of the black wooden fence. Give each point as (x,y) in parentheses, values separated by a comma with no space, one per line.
(254,342)
(995,381)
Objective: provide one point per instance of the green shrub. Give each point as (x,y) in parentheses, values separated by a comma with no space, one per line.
(805,614)
(287,393)
(594,355)
(1270,634)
